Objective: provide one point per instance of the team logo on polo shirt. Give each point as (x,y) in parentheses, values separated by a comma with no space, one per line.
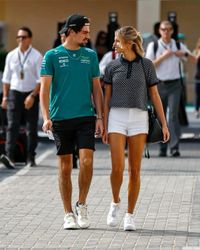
(85,59)
(63,61)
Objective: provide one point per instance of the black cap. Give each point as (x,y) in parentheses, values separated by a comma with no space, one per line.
(75,20)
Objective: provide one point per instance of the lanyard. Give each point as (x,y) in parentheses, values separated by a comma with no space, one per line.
(22,63)
(164,46)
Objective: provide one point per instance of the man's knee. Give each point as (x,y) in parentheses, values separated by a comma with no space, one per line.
(86,161)
(65,164)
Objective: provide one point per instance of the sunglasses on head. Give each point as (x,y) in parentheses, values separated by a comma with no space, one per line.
(22,37)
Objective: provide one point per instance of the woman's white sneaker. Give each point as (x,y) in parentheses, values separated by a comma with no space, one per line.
(70,221)
(129,224)
(82,215)
(112,218)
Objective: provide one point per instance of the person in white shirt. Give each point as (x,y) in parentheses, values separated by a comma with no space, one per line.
(108,57)
(166,59)
(21,85)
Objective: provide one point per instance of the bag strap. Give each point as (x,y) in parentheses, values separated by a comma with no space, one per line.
(145,74)
(146,150)
(155,47)
(142,62)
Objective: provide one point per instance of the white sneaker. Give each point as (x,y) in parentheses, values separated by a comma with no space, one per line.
(112,218)
(7,161)
(82,215)
(70,221)
(129,224)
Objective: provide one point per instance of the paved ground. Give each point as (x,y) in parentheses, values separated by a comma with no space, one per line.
(167,214)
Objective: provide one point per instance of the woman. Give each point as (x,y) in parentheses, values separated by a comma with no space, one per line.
(126,117)
(197,78)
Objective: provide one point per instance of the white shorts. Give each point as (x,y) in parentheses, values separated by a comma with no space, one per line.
(128,121)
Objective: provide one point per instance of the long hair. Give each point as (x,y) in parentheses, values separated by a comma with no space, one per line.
(197,48)
(129,33)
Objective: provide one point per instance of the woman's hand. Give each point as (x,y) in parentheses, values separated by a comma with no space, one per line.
(99,127)
(166,134)
(105,138)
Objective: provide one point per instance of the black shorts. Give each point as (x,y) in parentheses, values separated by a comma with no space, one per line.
(74,133)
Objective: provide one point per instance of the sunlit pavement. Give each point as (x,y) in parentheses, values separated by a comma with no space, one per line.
(167,214)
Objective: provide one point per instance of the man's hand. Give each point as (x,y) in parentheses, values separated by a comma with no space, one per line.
(4,103)
(29,101)
(167,53)
(47,125)
(179,53)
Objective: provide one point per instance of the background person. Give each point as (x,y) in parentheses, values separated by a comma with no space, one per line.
(108,57)
(197,79)
(126,116)
(167,63)
(71,73)
(101,44)
(21,85)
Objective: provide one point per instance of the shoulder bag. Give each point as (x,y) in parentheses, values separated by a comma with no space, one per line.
(155,134)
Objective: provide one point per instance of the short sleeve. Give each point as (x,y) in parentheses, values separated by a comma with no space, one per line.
(7,71)
(38,67)
(150,73)
(150,51)
(95,66)
(47,65)
(107,78)
(184,48)
(104,61)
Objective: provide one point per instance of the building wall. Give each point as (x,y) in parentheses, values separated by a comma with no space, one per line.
(188,20)
(2,10)
(42,16)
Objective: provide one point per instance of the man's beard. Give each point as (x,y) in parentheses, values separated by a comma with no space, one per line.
(84,43)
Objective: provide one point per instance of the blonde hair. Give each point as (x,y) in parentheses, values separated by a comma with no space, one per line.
(196,51)
(198,44)
(129,33)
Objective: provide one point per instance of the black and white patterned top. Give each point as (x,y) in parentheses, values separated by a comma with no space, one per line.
(128,80)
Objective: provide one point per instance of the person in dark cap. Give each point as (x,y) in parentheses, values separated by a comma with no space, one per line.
(75,22)
(70,76)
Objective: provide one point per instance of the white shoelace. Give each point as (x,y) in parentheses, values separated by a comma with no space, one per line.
(114,211)
(83,211)
(129,219)
(69,215)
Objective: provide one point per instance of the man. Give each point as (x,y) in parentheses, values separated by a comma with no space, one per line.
(70,74)
(62,38)
(166,58)
(21,84)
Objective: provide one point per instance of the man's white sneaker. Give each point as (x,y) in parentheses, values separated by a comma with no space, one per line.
(82,215)
(70,221)
(112,218)
(129,224)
